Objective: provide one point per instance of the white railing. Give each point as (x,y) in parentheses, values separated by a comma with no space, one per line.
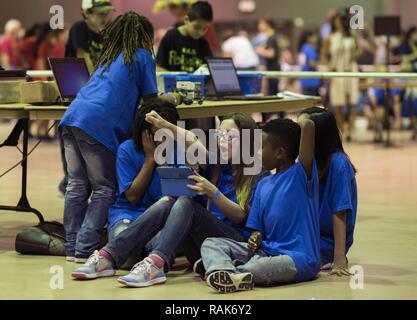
(288,74)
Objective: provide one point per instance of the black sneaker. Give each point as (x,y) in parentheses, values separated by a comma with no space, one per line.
(198,268)
(226,282)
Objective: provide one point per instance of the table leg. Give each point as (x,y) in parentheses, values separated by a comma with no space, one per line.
(23,204)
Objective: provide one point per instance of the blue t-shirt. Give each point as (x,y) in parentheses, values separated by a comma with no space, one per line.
(129,162)
(226,186)
(286,211)
(105,108)
(310,53)
(339,193)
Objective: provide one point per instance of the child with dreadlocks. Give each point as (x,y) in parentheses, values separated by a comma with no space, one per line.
(98,121)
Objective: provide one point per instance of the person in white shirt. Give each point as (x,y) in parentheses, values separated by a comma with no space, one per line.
(240,49)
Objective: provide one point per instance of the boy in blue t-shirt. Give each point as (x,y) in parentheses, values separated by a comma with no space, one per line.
(284,213)
(97,122)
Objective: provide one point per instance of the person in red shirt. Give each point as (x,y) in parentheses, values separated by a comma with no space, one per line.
(9,57)
(26,47)
(61,38)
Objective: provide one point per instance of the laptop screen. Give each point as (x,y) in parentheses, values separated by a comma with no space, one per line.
(71,74)
(224,75)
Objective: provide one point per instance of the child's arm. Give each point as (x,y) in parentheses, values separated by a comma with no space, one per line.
(340,263)
(173,98)
(265,53)
(139,186)
(306,155)
(231,209)
(179,133)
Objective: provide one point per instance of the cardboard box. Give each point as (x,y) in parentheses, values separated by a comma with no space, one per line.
(10,91)
(39,92)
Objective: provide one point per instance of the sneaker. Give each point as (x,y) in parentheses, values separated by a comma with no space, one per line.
(143,274)
(70,258)
(198,268)
(227,282)
(95,267)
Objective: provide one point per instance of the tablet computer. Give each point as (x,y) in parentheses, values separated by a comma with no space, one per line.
(174,181)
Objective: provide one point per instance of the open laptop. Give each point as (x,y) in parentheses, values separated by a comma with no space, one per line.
(226,82)
(71,74)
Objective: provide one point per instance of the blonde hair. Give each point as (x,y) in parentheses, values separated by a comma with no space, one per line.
(12,25)
(243,183)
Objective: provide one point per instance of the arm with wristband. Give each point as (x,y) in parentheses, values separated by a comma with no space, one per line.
(231,209)
(173,98)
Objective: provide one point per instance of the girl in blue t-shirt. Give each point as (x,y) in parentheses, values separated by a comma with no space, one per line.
(338,192)
(139,184)
(184,221)
(97,122)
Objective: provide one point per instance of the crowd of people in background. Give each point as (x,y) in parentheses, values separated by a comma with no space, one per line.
(335,47)
(332,47)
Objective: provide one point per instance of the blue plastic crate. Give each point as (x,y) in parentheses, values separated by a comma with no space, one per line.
(170,81)
(409,107)
(251,83)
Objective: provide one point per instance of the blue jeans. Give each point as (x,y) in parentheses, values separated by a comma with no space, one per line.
(91,173)
(183,224)
(116,230)
(64,182)
(133,240)
(189,224)
(229,255)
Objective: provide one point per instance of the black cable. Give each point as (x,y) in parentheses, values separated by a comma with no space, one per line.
(13,138)
(29,153)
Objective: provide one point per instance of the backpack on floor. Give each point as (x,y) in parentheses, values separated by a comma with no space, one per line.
(46,238)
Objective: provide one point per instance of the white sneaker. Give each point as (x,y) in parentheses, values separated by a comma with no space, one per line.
(95,267)
(227,282)
(70,259)
(143,274)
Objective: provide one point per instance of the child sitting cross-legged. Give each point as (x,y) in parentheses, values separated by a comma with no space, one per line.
(285,213)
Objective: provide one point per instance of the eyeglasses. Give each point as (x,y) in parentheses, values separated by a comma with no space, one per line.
(226,135)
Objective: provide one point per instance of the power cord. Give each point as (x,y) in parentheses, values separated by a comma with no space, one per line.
(29,153)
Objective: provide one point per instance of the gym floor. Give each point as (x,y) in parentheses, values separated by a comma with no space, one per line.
(385,237)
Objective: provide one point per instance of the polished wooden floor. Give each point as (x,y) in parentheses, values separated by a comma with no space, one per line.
(385,239)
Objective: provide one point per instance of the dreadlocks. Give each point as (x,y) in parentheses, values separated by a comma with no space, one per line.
(128,33)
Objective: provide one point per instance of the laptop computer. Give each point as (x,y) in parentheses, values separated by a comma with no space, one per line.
(71,74)
(226,82)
